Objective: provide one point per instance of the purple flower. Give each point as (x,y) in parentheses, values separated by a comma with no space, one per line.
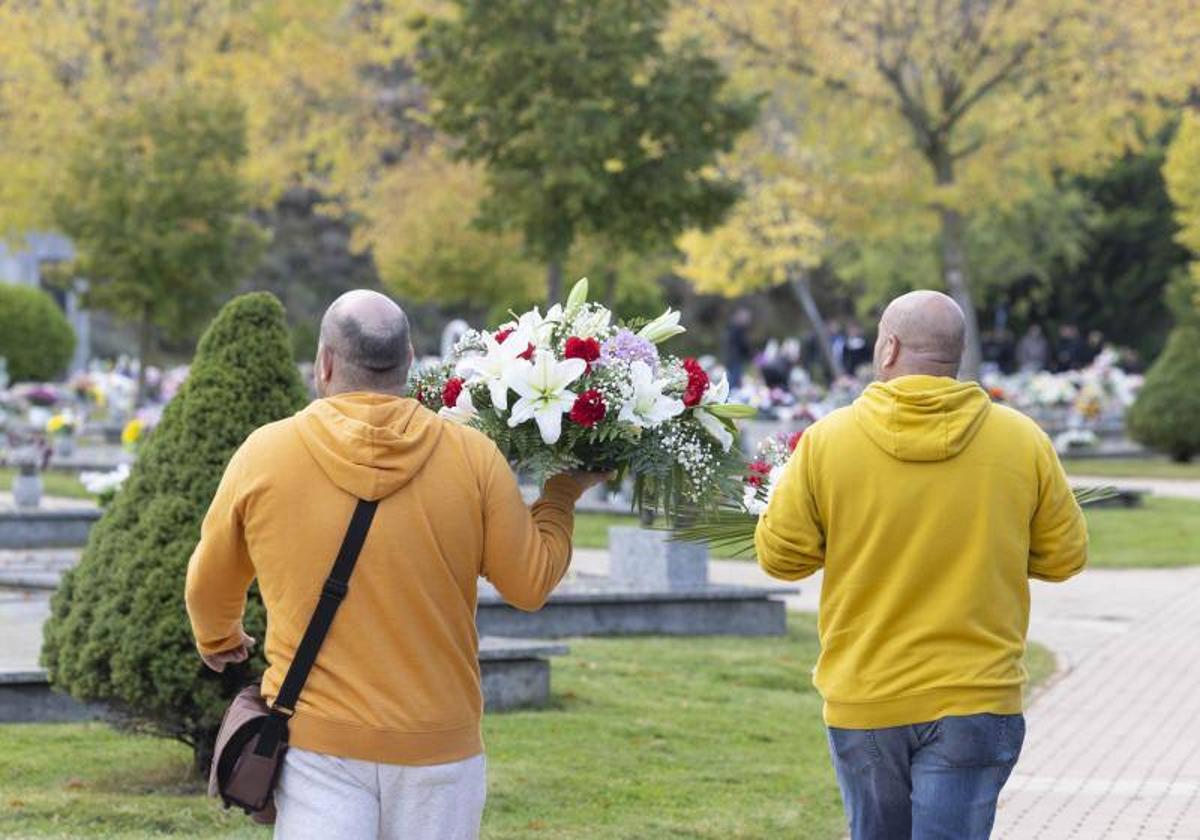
(627,347)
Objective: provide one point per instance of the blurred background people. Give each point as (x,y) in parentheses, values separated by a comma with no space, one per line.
(736,352)
(1033,351)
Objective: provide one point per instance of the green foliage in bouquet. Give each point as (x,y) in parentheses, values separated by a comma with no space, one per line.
(119,632)
(731,529)
(35,337)
(1166,415)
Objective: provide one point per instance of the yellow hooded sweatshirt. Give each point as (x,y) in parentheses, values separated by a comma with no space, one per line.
(929,508)
(397,679)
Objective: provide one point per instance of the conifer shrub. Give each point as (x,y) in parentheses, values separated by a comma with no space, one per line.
(35,336)
(1166,415)
(119,631)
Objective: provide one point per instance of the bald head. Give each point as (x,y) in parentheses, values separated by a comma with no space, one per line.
(365,345)
(921,332)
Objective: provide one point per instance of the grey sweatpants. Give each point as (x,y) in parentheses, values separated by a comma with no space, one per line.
(323,796)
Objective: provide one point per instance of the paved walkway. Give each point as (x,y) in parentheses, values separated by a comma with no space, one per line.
(48,502)
(1114,743)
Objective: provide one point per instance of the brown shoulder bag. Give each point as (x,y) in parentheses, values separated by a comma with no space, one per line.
(253,738)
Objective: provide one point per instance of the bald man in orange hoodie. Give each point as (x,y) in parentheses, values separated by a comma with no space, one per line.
(385,739)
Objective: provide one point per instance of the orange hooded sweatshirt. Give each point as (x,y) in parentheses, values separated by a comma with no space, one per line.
(397,679)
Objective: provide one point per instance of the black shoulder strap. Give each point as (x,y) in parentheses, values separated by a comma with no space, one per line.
(335,589)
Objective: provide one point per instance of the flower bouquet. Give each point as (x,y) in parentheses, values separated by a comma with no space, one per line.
(731,528)
(575,390)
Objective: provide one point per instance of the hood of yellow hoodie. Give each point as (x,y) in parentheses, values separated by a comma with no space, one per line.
(922,418)
(370,445)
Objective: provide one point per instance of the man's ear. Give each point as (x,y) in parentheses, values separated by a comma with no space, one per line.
(323,372)
(891,351)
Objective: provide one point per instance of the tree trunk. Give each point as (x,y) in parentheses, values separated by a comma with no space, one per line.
(202,754)
(954,268)
(798,282)
(554,282)
(145,337)
(610,288)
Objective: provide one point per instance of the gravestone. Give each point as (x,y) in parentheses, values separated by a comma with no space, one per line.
(648,559)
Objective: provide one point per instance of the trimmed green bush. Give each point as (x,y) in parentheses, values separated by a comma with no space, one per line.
(119,631)
(35,336)
(1166,416)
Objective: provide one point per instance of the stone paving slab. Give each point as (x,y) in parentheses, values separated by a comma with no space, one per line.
(1114,742)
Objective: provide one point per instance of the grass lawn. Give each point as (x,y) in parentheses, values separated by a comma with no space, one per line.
(1163,533)
(649,737)
(591,530)
(1132,468)
(54,483)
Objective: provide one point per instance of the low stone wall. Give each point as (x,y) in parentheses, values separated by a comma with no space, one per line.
(596,607)
(26,697)
(57,528)
(516,675)
(516,672)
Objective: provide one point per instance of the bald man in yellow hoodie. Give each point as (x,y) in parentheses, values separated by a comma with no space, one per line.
(929,509)
(385,738)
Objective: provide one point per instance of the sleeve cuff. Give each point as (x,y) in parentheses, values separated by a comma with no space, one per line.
(220,645)
(562,489)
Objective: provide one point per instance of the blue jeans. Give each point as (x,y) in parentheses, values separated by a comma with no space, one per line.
(929,781)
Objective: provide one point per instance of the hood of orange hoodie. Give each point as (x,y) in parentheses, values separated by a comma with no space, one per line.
(922,418)
(370,445)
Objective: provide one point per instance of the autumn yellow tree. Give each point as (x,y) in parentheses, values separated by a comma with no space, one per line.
(324,104)
(768,240)
(1182,172)
(419,225)
(946,108)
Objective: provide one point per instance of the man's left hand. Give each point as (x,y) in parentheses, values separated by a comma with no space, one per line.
(218,661)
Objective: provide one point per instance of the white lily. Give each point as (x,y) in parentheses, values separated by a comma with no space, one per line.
(717,394)
(591,323)
(492,368)
(648,406)
(542,385)
(533,324)
(578,296)
(463,411)
(663,327)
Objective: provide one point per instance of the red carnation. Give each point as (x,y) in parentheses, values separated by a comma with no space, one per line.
(420,394)
(589,408)
(451,391)
(697,383)
(587,349)
(794,440)
(759,470)
(503,334)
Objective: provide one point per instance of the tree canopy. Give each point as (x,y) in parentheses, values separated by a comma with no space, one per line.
(156,206)
(949,109)
(585,120)
(1182,172)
